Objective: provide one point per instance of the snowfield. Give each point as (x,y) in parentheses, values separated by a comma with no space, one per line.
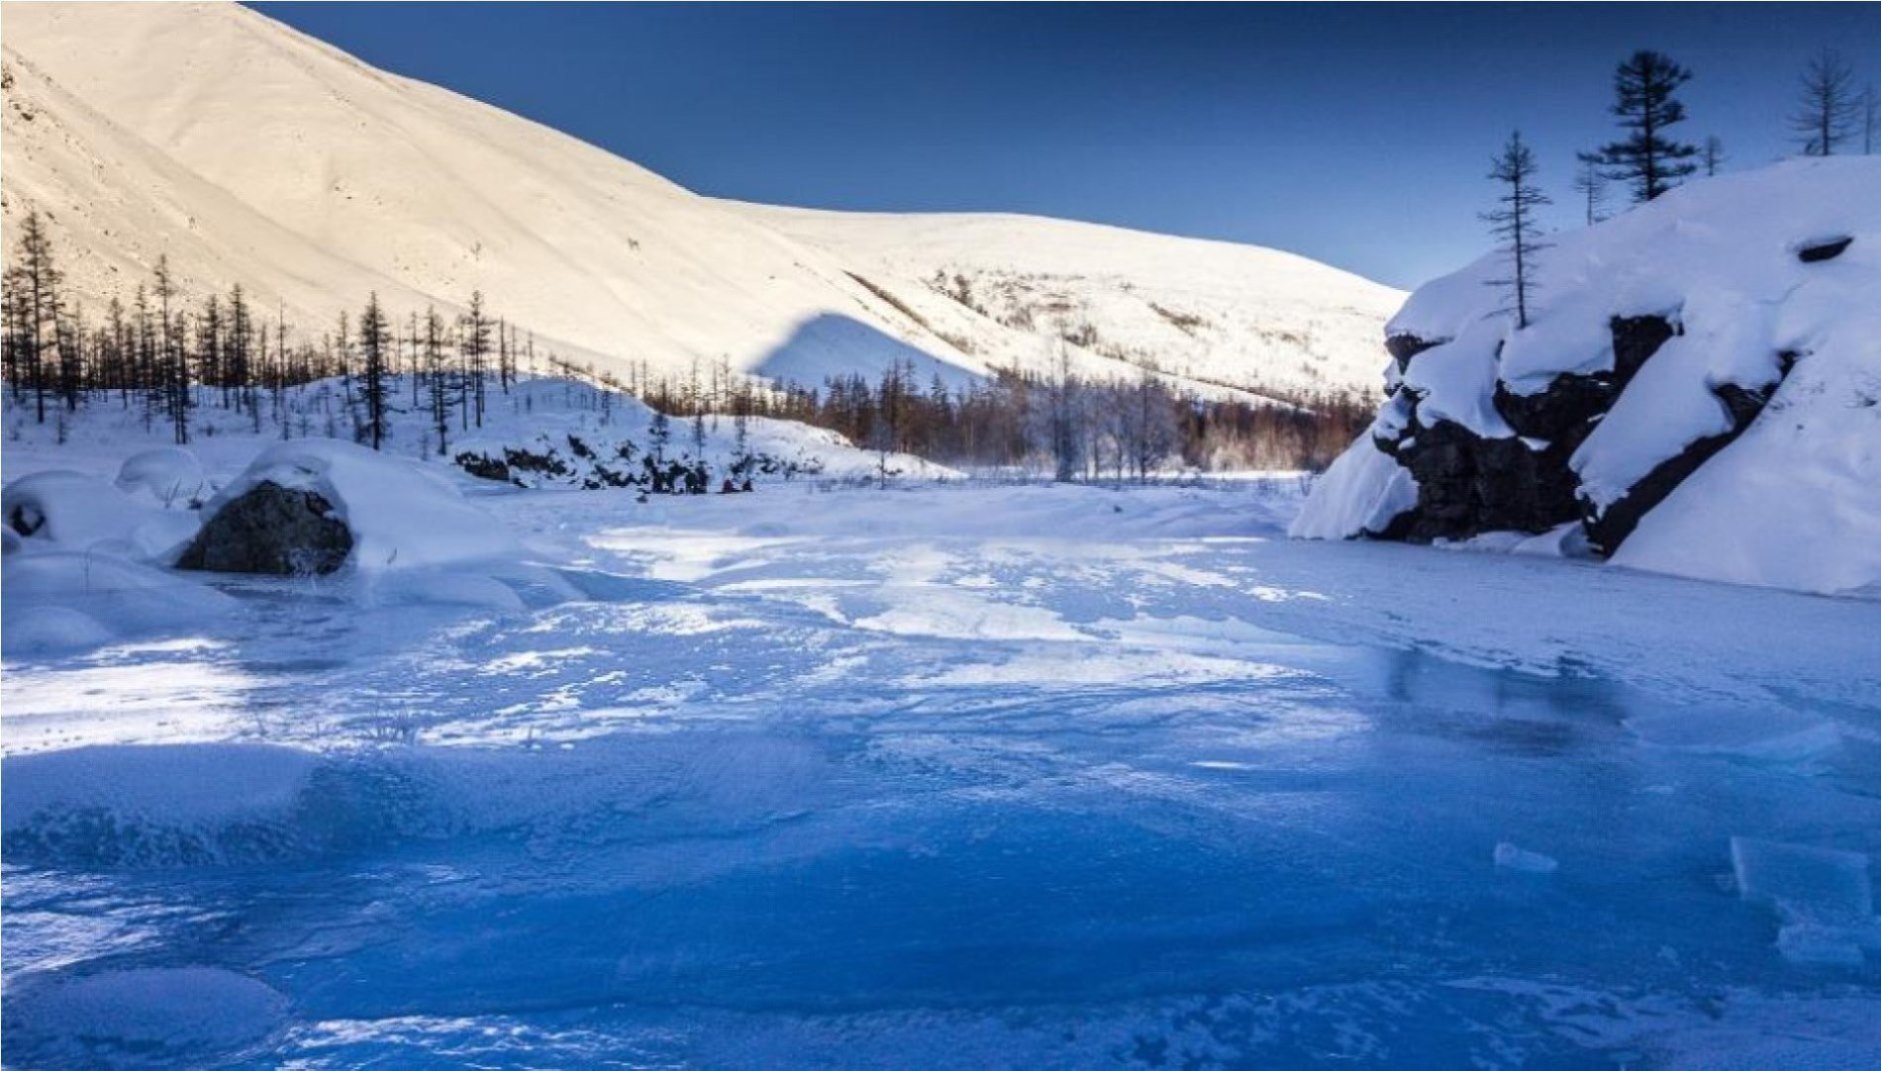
(947,774)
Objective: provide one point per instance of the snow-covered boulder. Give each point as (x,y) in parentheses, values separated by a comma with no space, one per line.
(310,506)
(281,531)
(1699,388)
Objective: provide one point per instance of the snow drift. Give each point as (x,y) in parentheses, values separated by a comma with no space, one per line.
(1699,391)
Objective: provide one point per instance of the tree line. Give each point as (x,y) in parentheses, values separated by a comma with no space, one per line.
(166,355)
(1076,427)
(1648,159)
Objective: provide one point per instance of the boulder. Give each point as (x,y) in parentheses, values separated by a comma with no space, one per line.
(273,530)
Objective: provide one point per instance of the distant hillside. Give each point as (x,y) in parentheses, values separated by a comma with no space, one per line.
(250,153)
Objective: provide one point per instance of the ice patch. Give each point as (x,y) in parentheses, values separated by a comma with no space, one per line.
(1823,897)
(142,1017)
(1772,735)
(1510,857)
(140,806)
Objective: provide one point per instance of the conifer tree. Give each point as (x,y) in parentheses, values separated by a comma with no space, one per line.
(1827,105)
(1590,183)
(1514,222)
(375,353)
(1646,158)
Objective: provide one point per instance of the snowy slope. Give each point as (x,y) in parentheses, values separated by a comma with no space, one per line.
(1737,437)
(249,152)
(1210,311)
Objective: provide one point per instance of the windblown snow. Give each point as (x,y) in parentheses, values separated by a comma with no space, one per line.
(1770,284)
(250,153)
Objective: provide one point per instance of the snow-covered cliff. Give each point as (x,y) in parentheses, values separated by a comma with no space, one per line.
(1699,392)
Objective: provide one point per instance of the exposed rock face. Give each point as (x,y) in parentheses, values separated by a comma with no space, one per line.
(1404,347)
(1827,249)
(1468,484)
(272,530)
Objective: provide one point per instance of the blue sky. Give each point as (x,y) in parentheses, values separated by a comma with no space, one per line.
(1356,134)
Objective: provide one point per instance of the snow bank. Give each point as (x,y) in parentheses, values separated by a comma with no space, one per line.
(63,601)
(401,514)
(1700,387)
(1360,494)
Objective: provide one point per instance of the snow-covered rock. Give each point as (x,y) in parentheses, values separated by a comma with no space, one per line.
(1700,388)
(397,512)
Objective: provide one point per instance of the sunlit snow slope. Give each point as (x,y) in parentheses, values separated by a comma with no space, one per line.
(249,152)
(1214,312)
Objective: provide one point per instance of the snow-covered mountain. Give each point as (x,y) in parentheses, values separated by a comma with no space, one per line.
(1213,312)
(1699,392)
(248,152)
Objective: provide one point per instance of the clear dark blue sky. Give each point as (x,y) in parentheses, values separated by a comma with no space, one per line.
(1354,134)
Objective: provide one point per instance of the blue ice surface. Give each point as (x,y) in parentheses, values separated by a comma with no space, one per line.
(696,825)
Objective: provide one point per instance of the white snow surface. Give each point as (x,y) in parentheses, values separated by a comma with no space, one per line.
(1796,500)
(250,153)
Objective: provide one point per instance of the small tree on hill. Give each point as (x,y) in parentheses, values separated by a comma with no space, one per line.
(1590,184)
(1827,105)
(1646,159)
(1514,222)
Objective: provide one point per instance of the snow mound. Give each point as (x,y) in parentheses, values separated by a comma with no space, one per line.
(1700,389)
(73,511)
(61,601)
(167,475)
(401,513)
(1363,488)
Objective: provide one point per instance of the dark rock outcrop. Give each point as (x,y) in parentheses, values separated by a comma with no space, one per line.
(273,530)
(1404,347)
(1827,249)
(1635,340)
(1469,484)
(484,467)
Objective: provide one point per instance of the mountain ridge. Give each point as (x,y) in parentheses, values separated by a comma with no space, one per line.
(263,156)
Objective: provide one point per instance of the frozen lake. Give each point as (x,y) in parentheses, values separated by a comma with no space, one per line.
(1024,777)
